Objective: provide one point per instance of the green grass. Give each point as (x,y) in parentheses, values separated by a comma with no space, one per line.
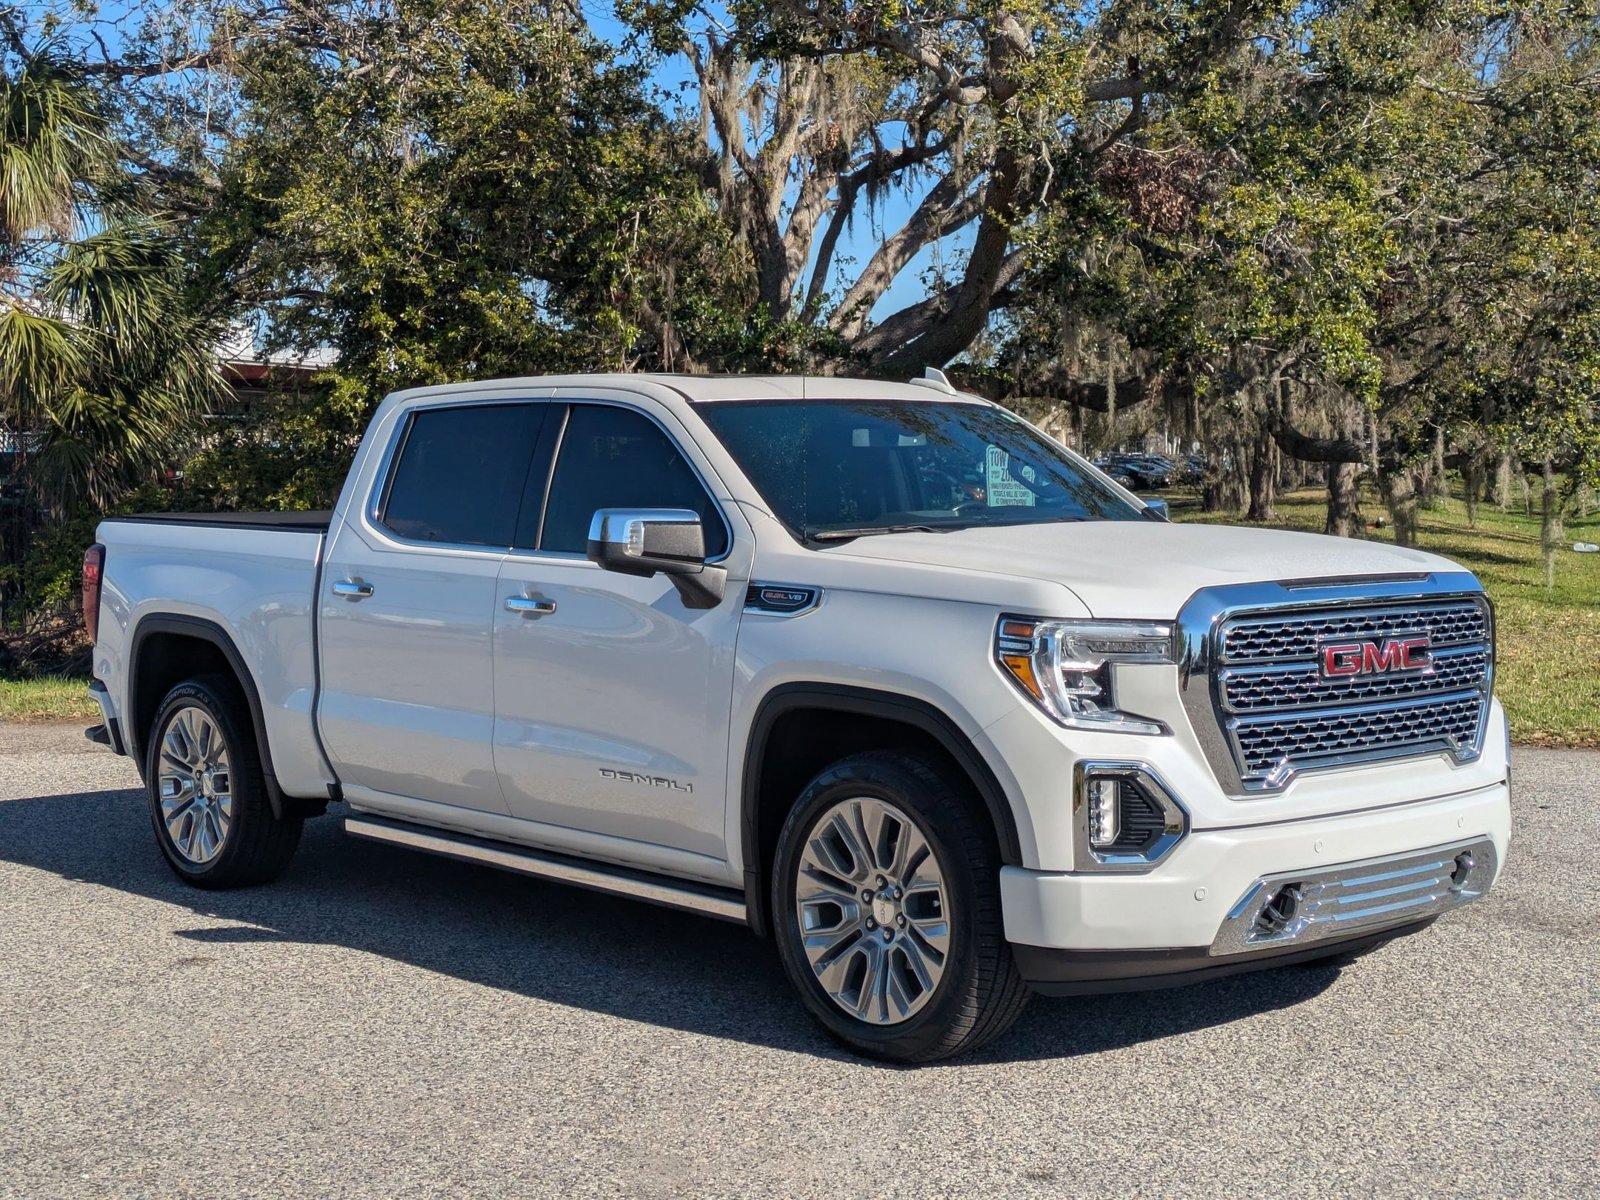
(50,698)
(1548,666)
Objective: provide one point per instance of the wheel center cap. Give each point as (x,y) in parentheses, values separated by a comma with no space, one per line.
(884,910)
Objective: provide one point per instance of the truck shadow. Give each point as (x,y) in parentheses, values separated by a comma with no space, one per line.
(553,943)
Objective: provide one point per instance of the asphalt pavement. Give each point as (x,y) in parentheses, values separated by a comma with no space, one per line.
(383,1024)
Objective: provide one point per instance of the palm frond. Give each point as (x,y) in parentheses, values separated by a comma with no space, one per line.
(39,354)
(53,140)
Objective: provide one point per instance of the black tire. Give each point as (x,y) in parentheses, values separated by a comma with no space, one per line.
(257,844)
(980,992)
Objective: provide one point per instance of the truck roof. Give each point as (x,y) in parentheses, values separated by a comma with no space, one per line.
(708,388)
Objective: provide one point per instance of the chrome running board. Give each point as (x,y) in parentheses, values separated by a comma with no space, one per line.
(726,904)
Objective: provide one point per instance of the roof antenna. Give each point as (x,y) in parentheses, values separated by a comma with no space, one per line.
(936,379)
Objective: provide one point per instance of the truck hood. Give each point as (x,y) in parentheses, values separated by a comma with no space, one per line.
(1144,569)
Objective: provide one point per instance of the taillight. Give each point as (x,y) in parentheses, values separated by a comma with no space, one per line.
(94,563)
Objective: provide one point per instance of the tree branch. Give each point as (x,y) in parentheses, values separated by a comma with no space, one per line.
(1313,449)
(949,204)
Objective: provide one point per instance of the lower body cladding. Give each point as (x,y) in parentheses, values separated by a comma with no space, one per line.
(1239,899)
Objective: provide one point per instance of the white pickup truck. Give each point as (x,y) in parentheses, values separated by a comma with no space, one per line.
(879,670)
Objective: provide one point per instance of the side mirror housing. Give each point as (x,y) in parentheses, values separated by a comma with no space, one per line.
(658,541)
(1155,509)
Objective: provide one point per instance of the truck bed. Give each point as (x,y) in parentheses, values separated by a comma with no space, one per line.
(245,581)
(313,520)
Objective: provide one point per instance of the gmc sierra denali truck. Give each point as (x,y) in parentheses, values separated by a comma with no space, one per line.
(879,670)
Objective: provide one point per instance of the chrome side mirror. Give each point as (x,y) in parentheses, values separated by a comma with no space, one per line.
(1155,509)
(658,541)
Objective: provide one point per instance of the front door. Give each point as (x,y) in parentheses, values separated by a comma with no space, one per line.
(612,698)
(409,588)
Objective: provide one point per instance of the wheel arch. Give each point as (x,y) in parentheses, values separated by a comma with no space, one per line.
(153,670)
(865,710)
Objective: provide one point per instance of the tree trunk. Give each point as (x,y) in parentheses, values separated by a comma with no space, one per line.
(1344,500)
(1550,531)
(1437,480)
(1471,481)
(1400,495)
(1263,472)
(1111,392)
(1236,489)
(1502,482)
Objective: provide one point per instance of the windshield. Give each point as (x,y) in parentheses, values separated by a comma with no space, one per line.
(831,470)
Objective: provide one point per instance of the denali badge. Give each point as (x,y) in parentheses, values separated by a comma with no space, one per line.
(1388,657)
(660,781)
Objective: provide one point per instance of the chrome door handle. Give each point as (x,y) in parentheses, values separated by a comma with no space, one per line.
(530,607)
(351,589)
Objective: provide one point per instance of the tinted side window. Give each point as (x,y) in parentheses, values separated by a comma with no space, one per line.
(617,458)
(460,474)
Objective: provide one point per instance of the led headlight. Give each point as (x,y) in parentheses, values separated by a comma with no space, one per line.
(1066,666)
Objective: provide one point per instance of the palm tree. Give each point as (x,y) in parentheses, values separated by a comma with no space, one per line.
(102,360)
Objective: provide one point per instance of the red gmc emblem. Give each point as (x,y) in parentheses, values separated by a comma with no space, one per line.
(1341,659)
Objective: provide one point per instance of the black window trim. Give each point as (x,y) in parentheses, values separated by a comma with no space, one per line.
(568,403)
(384,480)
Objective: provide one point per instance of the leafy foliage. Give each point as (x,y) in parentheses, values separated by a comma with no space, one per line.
(1358,234)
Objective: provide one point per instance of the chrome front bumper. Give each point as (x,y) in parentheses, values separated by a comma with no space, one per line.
(1361,879)
(1298,908)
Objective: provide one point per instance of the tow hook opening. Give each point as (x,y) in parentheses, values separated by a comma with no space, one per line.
(1280,909)
(1465,865)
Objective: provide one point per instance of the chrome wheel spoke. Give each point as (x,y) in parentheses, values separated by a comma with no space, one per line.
(904,986)
(870,902)
(199,838)
(834,964)
(173,813)
(917,966)
(870,1005)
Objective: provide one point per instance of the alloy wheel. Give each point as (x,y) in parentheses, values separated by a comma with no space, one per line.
(873,910)
(194,785)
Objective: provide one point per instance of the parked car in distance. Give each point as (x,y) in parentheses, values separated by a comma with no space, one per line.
(1145,470)
(1117,474)
(877,670)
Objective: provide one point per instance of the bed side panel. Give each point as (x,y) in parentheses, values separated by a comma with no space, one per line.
(258,585)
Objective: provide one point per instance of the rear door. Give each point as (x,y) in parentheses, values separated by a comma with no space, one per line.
(408,596)
(612,703)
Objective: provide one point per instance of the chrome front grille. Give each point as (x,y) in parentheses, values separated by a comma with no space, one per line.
(1265,710)
(1297,907)
(1267,744)
(1301,685)
(1278,637)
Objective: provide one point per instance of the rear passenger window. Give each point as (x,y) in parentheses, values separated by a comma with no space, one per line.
(618,458)
(461,472)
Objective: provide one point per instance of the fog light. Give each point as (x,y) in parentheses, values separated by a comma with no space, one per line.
(1105,812)
(1125,818)
(1280,909)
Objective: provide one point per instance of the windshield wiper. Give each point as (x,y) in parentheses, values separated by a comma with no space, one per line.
(844,535)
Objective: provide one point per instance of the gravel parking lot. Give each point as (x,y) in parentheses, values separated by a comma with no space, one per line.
(383,1024)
